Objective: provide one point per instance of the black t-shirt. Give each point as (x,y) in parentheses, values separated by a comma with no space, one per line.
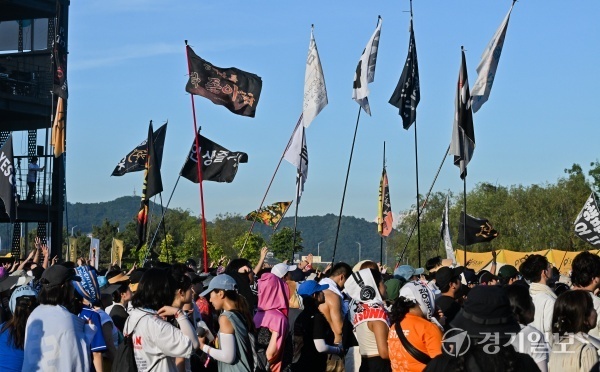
(311,325)
(449,307)
(119,316)
(446,363)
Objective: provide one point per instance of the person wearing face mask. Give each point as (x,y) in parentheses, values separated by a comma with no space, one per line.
(413,339)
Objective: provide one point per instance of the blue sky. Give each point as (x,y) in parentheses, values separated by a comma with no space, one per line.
(127,65)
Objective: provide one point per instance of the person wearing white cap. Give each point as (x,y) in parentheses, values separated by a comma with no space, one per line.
(12,333)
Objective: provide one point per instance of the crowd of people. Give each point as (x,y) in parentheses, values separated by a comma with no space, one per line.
(276,317)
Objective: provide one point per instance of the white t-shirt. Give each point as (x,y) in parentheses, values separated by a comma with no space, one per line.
(531,341)
(596,330)
(32,172)
(56,341)
(156,343)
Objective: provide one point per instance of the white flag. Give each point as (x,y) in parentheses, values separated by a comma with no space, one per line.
(315,93)
(445,232)
(365,71)
(297,155)
(486,70)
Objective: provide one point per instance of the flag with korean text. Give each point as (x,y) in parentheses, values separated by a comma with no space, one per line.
(315,92)
(486,70)
(365,70)
(587,223)
(233,88)
(135,160)
(407,94)
(217,163)
(463,133)
(297,155)
(385,218)
(8,186)
(445,231)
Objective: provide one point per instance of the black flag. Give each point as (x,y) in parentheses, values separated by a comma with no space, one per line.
(478,230)
(407,94)
(59,51)
(233,88)
(8,189)
(587,223)
(154,185)
(136,159)
(218,163)
(463,134)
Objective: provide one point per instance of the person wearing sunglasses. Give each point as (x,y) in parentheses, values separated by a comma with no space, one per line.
(12,333)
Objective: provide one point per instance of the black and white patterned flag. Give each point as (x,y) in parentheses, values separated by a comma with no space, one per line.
(407,94)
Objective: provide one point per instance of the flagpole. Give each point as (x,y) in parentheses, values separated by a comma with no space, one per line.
(424,203)
(162,209)
(465,220)
(199,168)
(271,183)
(298,180)
(163,216)
(337,231)
(381,236)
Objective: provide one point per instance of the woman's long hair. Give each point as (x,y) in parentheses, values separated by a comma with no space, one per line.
(241,306)
(16,325)
(155,290)
(571,312)
(400,308)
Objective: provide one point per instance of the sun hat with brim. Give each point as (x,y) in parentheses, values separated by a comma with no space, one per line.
(8,282)
(57,275)
(310,287)
(24,290)
(406,272)
(223,281)
(487,313)
(281,269)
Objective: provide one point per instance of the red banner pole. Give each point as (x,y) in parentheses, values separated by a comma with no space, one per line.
(196,136)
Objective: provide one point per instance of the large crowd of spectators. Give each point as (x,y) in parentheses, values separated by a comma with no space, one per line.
(276,317)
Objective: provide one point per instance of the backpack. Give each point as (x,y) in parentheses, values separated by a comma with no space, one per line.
(124,358)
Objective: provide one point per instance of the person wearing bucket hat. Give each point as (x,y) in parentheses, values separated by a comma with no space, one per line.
(411,318)
(312,331)
(52,324)
(235,326)
(12,333)
(481,335)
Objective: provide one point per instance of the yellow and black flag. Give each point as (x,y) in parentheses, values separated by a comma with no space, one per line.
(385,219)
(270,215)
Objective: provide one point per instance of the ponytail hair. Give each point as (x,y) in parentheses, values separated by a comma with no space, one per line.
(241,306)
(400,308)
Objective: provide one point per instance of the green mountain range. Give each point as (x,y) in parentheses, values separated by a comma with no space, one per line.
(314,229)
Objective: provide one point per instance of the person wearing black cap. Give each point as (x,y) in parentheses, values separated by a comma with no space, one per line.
(63,335)
(448,281)
(485,326)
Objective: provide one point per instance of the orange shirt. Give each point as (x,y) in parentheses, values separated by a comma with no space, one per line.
(422,334)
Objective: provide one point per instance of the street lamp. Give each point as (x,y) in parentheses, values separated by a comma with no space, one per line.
(72,229)
(319,248)
(359,248)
